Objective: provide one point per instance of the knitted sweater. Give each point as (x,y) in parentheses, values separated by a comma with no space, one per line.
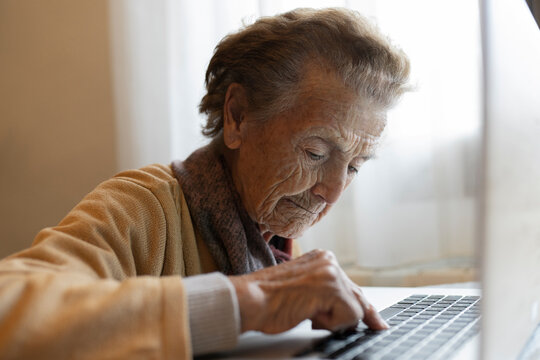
(107,281)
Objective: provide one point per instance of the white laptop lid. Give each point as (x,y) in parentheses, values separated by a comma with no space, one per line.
(511,192)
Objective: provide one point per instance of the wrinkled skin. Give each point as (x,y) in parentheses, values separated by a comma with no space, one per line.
(312,286)
(289,170)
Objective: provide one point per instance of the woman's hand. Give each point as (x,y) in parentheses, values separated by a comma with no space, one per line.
(312,286)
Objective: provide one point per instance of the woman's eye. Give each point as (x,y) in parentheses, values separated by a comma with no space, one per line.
(314,156)
(353,170)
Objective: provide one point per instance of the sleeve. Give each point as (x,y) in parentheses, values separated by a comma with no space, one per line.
(90,288)
(214,316)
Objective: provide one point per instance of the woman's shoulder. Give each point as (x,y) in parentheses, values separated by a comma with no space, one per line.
(155,173)
(156,180)
(153,177)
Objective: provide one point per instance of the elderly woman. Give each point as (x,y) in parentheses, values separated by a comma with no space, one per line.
(171,261)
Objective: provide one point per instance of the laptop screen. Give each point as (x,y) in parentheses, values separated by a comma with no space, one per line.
(511,193)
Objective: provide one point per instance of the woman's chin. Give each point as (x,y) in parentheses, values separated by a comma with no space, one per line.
(278,225)
(291,232)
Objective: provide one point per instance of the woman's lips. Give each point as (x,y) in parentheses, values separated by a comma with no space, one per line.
(313,212)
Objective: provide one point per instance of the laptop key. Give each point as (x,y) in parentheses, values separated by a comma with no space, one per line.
(368,336)
(389,312)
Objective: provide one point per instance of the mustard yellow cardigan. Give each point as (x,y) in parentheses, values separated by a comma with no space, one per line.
(110,272)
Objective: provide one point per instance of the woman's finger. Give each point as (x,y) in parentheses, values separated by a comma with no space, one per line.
(371,317)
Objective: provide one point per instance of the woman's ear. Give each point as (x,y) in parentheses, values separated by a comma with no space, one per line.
(234,113)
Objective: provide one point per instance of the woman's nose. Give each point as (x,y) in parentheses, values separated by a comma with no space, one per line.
(331,185)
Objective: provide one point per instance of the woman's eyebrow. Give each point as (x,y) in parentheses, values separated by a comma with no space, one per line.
(364,157)
(368,157)
(331,138)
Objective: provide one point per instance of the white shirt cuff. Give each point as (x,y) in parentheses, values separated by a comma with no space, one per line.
(214,317)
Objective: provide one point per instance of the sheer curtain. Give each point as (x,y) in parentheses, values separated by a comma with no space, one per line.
(415,203)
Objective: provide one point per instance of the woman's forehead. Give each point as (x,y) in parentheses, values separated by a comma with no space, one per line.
(340,111)
(323,91)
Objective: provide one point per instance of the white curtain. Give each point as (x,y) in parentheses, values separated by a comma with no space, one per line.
(414,203)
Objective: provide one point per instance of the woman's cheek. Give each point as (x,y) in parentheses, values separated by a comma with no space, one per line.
(308,176)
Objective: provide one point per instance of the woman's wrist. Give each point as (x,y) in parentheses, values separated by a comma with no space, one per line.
(251,300)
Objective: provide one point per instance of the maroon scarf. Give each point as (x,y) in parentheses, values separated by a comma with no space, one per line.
(232,237)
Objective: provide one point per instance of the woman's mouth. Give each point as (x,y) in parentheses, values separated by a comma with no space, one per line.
(306,209)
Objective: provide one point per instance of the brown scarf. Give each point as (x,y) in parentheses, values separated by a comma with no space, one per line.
(232,237)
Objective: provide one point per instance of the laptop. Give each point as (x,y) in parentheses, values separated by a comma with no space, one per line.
(499,320)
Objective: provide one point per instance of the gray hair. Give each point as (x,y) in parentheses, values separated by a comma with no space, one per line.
(269,58)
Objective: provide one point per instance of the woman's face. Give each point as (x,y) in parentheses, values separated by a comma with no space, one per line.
(291,169)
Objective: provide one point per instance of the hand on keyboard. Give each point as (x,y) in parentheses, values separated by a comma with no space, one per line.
(423,327)
(312,286)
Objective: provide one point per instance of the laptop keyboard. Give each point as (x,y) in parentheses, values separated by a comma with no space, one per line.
(421,327)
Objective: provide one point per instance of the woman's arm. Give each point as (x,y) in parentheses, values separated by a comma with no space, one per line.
(90,287)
